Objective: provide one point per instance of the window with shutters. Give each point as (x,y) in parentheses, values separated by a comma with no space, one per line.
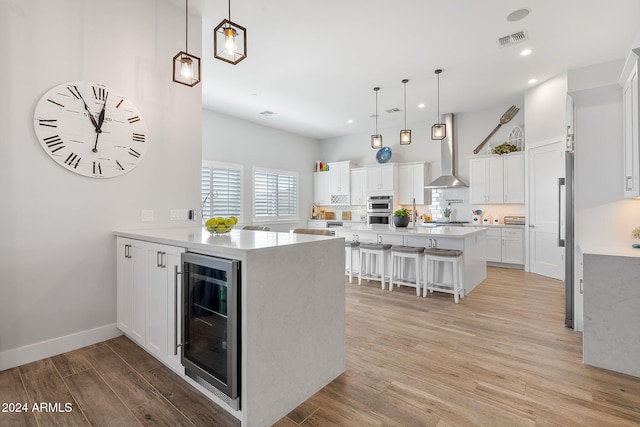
(275,195)
(221,190)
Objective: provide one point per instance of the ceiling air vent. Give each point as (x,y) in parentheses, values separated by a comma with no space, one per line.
(514,38)
(393,110)
(267,113)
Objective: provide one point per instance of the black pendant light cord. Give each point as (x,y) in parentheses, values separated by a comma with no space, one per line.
(229,10)
(376,89)
(438,74)
(405,103)
(186,27)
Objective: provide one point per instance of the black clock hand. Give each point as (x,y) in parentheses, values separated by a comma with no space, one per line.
(86,107)
(100,121)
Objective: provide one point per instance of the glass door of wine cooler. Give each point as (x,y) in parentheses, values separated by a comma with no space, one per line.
(211,323)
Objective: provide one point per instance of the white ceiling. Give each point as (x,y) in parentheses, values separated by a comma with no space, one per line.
(315,63)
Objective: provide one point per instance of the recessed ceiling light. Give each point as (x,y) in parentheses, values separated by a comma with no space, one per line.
(518,15)
(421,105)
(349,121)
(525,52)
(532,81)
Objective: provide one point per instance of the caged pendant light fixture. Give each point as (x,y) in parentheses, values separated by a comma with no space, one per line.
(439,130)
(376,140)
(405,134)
(229,41)
(186,67)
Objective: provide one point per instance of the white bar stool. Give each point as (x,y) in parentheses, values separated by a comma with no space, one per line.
(433,257)
(381,253)
(351,249)
(399,254)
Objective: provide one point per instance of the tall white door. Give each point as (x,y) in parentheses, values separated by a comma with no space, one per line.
(546,166)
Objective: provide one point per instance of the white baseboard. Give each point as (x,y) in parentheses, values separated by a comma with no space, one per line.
(41,350)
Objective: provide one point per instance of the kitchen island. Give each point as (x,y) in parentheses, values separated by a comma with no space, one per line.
(292,310)
(470,240)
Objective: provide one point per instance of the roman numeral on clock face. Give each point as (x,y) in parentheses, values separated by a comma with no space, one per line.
(52,123)
(74,91)
(54,143)
(134,153)
(54,102)
(73,160)
(119,103)
(97,169)
(119,166)
(99,93)
(134,119)
(138,137)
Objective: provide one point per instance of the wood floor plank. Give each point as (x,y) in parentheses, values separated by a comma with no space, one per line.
(127,383)
(12,392)
(98,402)
(199,409)
(134,355)
(44,386)
(71,362)
(159,412)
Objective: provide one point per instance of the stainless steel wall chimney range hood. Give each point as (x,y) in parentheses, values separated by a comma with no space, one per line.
(447,156)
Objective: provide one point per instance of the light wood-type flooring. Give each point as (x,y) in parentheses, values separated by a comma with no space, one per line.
(502,357)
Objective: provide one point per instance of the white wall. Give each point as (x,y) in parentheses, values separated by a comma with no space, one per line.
(470,127)
(233,140)
(57,251)
(546,107)
(603,217)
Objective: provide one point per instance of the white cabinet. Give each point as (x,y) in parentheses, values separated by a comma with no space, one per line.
(497,179)
(513,178)
(493,239)
(163,297)
(412,177)
(631,116)
(321,189)
(504,245)
(358,187)
(339,178)
(513,246)
(148,297)
(382,180)
(131,290)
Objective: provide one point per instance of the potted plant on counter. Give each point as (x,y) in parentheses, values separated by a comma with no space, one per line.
(447,213)
(401,218)
(635,234)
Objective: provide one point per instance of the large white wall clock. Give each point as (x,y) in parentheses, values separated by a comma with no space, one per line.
(90,129)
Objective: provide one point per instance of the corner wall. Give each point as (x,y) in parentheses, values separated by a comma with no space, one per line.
(57,250)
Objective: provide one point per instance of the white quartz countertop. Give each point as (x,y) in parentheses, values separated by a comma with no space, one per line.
(238,240)
(456,232)
(626,251)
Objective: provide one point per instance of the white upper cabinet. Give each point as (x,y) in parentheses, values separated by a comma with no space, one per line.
(340,175)
(382,180)
(631,115)
(497,179)
(321,188)
(358,187)
(412,177)
(513,170)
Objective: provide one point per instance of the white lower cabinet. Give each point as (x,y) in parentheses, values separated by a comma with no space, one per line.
(149,295)
(505,245)
(131,289)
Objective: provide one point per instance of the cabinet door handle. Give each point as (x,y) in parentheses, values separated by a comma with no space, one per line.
(160,258)
(629,183)
(127,251)
(435,243)
(175,311)
(561,182)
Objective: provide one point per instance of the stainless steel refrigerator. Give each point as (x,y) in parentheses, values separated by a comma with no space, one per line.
(566,231)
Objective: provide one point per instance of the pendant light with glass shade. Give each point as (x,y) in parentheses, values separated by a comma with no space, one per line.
(405,134)
(439,130)
(186,67)
(229,41)
(376,140)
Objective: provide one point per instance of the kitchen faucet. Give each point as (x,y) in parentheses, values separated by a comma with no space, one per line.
(414,213)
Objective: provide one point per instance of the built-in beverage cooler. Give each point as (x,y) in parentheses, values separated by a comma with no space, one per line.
(211,324)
